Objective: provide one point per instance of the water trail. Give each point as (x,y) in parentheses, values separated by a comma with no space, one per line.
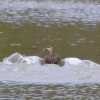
(30,69)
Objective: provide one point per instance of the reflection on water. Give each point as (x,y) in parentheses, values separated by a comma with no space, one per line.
(13,91)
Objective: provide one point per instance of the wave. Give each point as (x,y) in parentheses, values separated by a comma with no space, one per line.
(30,69)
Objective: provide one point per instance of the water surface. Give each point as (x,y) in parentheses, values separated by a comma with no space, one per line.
(72,27)
(55,92)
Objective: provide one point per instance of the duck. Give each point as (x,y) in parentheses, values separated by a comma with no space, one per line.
(52,58)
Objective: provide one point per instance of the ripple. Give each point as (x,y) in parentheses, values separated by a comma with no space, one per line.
(73,44)
(1,32)
(50,12)
(43,92)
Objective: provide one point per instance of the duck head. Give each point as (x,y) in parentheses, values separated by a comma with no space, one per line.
(50,49)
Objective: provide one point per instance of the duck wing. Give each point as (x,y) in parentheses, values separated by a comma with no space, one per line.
(56,59)
(49,59)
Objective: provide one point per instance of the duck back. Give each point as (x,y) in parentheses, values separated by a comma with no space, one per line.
(53,59)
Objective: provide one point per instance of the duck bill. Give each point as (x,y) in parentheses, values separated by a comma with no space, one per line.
(44,50)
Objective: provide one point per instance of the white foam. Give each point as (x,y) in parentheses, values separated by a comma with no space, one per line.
(17,58)
(29,69)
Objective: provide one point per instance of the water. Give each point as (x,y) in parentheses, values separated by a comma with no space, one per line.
(44,92)
(33,69)
(72,27)
(28,79)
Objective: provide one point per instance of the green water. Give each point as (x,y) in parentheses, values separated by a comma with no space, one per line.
(69,41)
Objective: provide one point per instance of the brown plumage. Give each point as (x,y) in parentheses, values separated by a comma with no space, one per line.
(52,58)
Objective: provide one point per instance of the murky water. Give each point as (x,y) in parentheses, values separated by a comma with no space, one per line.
(72,27)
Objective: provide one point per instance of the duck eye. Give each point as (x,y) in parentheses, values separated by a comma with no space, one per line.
(48,46)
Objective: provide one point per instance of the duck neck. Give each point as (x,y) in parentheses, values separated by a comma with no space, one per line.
(51,52)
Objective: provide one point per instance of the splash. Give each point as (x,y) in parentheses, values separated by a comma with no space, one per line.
(29,69)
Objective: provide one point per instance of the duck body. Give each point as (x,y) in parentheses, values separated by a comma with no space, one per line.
(52,58)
